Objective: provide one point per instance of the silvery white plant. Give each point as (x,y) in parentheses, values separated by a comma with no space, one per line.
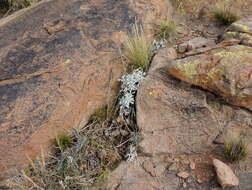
(158,44)
(129,86)
(131,154)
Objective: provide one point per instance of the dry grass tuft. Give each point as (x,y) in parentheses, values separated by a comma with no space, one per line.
(165,29)
(225,14)
(138,48)
(235,148)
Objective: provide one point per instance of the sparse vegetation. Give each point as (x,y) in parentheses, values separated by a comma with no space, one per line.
(9,6)
(88,154)
(19,4)
(62,142)
(165,29)
(138,49)
(204,8)
(225,14)
(85,159)
(100,114)
(235,148)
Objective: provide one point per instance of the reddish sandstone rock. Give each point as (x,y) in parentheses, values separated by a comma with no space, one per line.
(241,31)
(226,72)
(57,64)
(136,175)
(176,117)
(225,175)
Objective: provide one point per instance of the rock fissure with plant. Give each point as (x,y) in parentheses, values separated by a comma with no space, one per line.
(190,127)
(182,117)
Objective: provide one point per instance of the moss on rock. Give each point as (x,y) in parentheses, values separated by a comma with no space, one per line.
(188,69)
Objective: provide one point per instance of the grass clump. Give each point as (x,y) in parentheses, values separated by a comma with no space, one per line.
(63,141)
(225,15)
(138,50)
(165,29)
(235,148)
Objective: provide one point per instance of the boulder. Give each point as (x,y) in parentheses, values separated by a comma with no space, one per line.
(225,175)
(223,71)
(240,30)
(58,63)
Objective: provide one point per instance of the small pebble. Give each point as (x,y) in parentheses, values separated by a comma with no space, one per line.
(192,165)
(183,175)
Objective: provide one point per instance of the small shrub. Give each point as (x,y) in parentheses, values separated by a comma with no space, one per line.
(225,15)
(62,142)
(235,148)
(129,85)
(165,29)
(138,49)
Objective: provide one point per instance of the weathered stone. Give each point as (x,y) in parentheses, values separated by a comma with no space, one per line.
(245,181)
(192,165)
(58,64)
(244,25)
(183,175)
(235,128)
(180,118)
(153,169)
(149,167)
(173,167)
(225,72)
(225,175)
(161,58)
(200,42)
(195,43)
(241,30)
(182,48)
(131,176)
(176,118)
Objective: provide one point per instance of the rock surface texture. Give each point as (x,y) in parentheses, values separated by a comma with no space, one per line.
(240,30)
(225,175)
(223,71)
(57,64)
(184,108)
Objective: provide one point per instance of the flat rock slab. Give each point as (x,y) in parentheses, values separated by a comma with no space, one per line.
(57,64)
